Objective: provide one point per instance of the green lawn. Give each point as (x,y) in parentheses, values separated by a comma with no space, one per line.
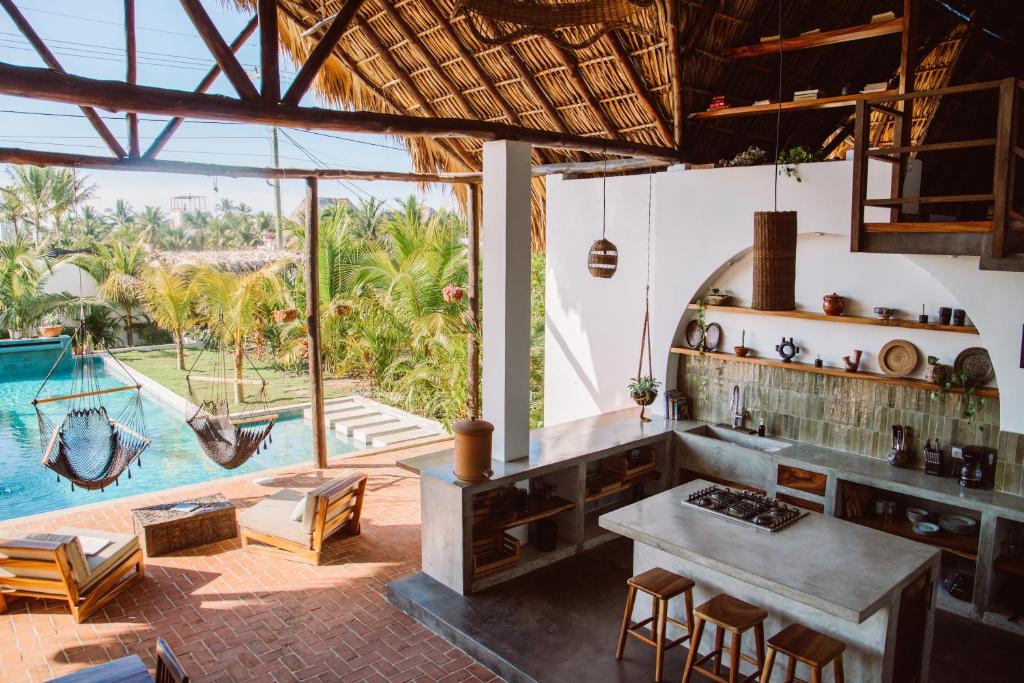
(282,388)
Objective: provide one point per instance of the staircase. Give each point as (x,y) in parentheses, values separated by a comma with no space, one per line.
(998,238)
(369,424)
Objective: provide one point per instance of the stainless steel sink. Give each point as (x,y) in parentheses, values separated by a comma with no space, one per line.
(739,438)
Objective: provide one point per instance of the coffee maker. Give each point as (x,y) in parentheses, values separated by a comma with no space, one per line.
(979,468)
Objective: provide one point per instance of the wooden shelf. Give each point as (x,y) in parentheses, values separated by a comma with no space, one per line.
(961,546)
(986,392)
(820,39)
(538,510)
(1010,565)
(624,485)
(848,319)
(772,107)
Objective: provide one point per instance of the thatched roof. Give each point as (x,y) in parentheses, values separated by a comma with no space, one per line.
(236,261)
(414,57)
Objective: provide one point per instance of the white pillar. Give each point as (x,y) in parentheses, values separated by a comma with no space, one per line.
(506,296)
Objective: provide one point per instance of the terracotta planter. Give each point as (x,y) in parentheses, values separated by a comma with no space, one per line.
(833,304)
(286,316)
(50,331)
(936,373)
(645,398)
(473,450)
(741,351)
(718,299)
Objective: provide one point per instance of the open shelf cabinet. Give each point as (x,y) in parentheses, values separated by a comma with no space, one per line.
(842,319)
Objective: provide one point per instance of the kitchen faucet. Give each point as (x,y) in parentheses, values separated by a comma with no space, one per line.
(736,408)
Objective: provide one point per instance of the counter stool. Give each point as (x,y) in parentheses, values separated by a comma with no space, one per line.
(662,585)
(805,645)
(737,617)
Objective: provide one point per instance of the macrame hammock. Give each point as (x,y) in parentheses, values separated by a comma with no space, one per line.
(95,433)
(573,25)
(228,438)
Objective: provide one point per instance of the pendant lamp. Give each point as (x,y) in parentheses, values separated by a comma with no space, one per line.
(603,259)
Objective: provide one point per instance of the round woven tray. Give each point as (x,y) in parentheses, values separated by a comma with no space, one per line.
(976,365)
(898,358)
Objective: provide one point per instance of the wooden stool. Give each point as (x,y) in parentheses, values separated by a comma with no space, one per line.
(662,585)
(805,645)
(727,614)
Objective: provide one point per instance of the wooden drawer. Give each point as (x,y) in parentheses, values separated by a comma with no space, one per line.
(801,502)
(802,480)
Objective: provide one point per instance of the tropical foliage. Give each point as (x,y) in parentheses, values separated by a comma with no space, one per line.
(23,302)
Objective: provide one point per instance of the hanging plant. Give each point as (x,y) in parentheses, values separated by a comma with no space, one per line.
(701,365)
(644,390)
(791,158)
(972,402)
(286,315)
(453,293)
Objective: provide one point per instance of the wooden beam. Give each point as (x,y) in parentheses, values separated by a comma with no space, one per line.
(316,374)
(1003,172)
(929,227)
(675,70)
(572,69)
(219,49)
(172,126)
(581,168)
(131,74)
(318,57)
(904,125)
(789,105)
(51,61)
(469,60)
(10,155)
(861,132)
(270,71)
(473,292)
(21,81)
(435,67)
(640,89)
(820,39)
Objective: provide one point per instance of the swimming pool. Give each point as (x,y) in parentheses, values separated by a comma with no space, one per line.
(174,458)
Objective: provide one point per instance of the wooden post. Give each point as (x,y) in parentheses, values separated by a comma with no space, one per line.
(861,129)
(1002,174)
(473,256)
(270,73)
(675,70)
(131,75)
(316,375)
(903,127)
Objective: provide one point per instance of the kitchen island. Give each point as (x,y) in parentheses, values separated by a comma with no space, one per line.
(872,590)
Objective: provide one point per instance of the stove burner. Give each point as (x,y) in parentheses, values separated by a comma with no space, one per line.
(746,507)
(765,519)
(743,509)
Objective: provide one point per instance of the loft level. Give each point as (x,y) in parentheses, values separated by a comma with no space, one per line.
(793,105)
(820,39)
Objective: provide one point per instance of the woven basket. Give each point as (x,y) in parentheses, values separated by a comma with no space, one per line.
(603,259)
(774,261)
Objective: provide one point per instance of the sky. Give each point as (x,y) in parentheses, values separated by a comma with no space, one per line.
(88,40)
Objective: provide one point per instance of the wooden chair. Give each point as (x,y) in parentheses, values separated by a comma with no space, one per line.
(53,567)
(805,645)
(662,585)
(273,526)
(168,670)
(737,617)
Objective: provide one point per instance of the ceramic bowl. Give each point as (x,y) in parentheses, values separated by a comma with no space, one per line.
(926,528)
(884,313)
(916,515)
(958,524)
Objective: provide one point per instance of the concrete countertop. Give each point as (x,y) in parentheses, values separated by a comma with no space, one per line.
(840,568)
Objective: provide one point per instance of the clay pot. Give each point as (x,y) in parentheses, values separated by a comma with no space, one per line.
(852,361)
(645,398)
(286,316)
(50,331)
(473,450)
(936,373)
(833,304)
(453,294)
(741,351)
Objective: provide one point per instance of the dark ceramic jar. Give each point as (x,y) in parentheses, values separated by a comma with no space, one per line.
(833,304)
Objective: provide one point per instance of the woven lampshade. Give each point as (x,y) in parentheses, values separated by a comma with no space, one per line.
(603,259)
(774,261)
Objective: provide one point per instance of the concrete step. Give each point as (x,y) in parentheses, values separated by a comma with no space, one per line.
(330,405)
(402,437)
(368,434)
(334,418)
(346,426)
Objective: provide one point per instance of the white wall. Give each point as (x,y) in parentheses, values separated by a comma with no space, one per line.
(65,278)
(703,227)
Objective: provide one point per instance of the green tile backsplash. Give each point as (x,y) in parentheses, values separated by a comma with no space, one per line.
(850,414)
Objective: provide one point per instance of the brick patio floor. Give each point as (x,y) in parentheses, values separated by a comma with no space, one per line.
(230,615)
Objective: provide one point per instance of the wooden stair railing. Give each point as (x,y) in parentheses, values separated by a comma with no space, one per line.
(999,241)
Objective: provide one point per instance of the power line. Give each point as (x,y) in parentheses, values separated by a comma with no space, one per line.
(316,160)
(109,23)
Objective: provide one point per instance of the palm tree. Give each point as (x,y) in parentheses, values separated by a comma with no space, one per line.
(368,217)
(117,265)
(92,225)
(34,187)
(23,302)
(13,209)
(195,224)
(66,192)
(122,217)
(153,222)
(231,304)
(168,297)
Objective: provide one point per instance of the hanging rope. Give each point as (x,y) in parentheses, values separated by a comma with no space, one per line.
(778,112)
(645,334)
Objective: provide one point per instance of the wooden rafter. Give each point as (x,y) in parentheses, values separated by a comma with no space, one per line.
(131,74)
(324,48)
(675,61)
(220,50)
(165,135)
(572,69)
(270,71)
(639,88)
(51,61)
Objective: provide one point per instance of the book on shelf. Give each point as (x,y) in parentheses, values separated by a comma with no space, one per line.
(806,95)
(882,16)
(771,39)
(811,32)
(760,103)
(876,87)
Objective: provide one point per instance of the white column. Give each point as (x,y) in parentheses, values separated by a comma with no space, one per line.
(506,296)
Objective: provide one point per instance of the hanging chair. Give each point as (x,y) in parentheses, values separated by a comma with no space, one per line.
(93,434)
(228,438)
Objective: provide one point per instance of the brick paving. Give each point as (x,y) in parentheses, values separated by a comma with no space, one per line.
(230,615)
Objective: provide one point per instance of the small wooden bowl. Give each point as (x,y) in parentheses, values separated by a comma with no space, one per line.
(741,351)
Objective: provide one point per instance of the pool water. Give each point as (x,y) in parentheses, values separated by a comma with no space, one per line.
(173,459)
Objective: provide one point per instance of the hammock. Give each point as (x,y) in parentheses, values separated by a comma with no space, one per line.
(92,435)
(228,439)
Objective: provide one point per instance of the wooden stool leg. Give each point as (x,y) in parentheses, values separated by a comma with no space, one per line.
(698,631)
(689,612)
(759,642)
(838,671)
(630,599)
(661,606)
(790,670)
(815,674)
(734,658)
(769,662)
(719,638)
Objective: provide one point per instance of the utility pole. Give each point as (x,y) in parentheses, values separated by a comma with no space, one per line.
(277,188)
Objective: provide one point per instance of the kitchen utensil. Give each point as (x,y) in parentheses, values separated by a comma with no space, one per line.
(884,313)
(899,456)
(934,459)
(925,528)
(976,365)
(916,515)
(898,358)
(958,524)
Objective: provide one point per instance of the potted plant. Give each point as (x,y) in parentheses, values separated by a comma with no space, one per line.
(643,390)
(972,402)
(742,349)
(792,157)
(50,326)
(286,315)
(936,372)
(717,297)
(752,156)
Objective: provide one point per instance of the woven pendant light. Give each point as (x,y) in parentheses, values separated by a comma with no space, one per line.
(603,259)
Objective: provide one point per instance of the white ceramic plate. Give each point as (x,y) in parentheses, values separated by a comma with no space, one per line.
(926,528)
(958,524)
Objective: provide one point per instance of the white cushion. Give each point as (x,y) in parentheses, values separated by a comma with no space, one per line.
(300,509)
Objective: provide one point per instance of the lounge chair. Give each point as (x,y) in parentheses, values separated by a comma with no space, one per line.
(55,567)
(294,525)
(168,670)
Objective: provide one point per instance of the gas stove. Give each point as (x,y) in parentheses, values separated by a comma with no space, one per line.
(747,508)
